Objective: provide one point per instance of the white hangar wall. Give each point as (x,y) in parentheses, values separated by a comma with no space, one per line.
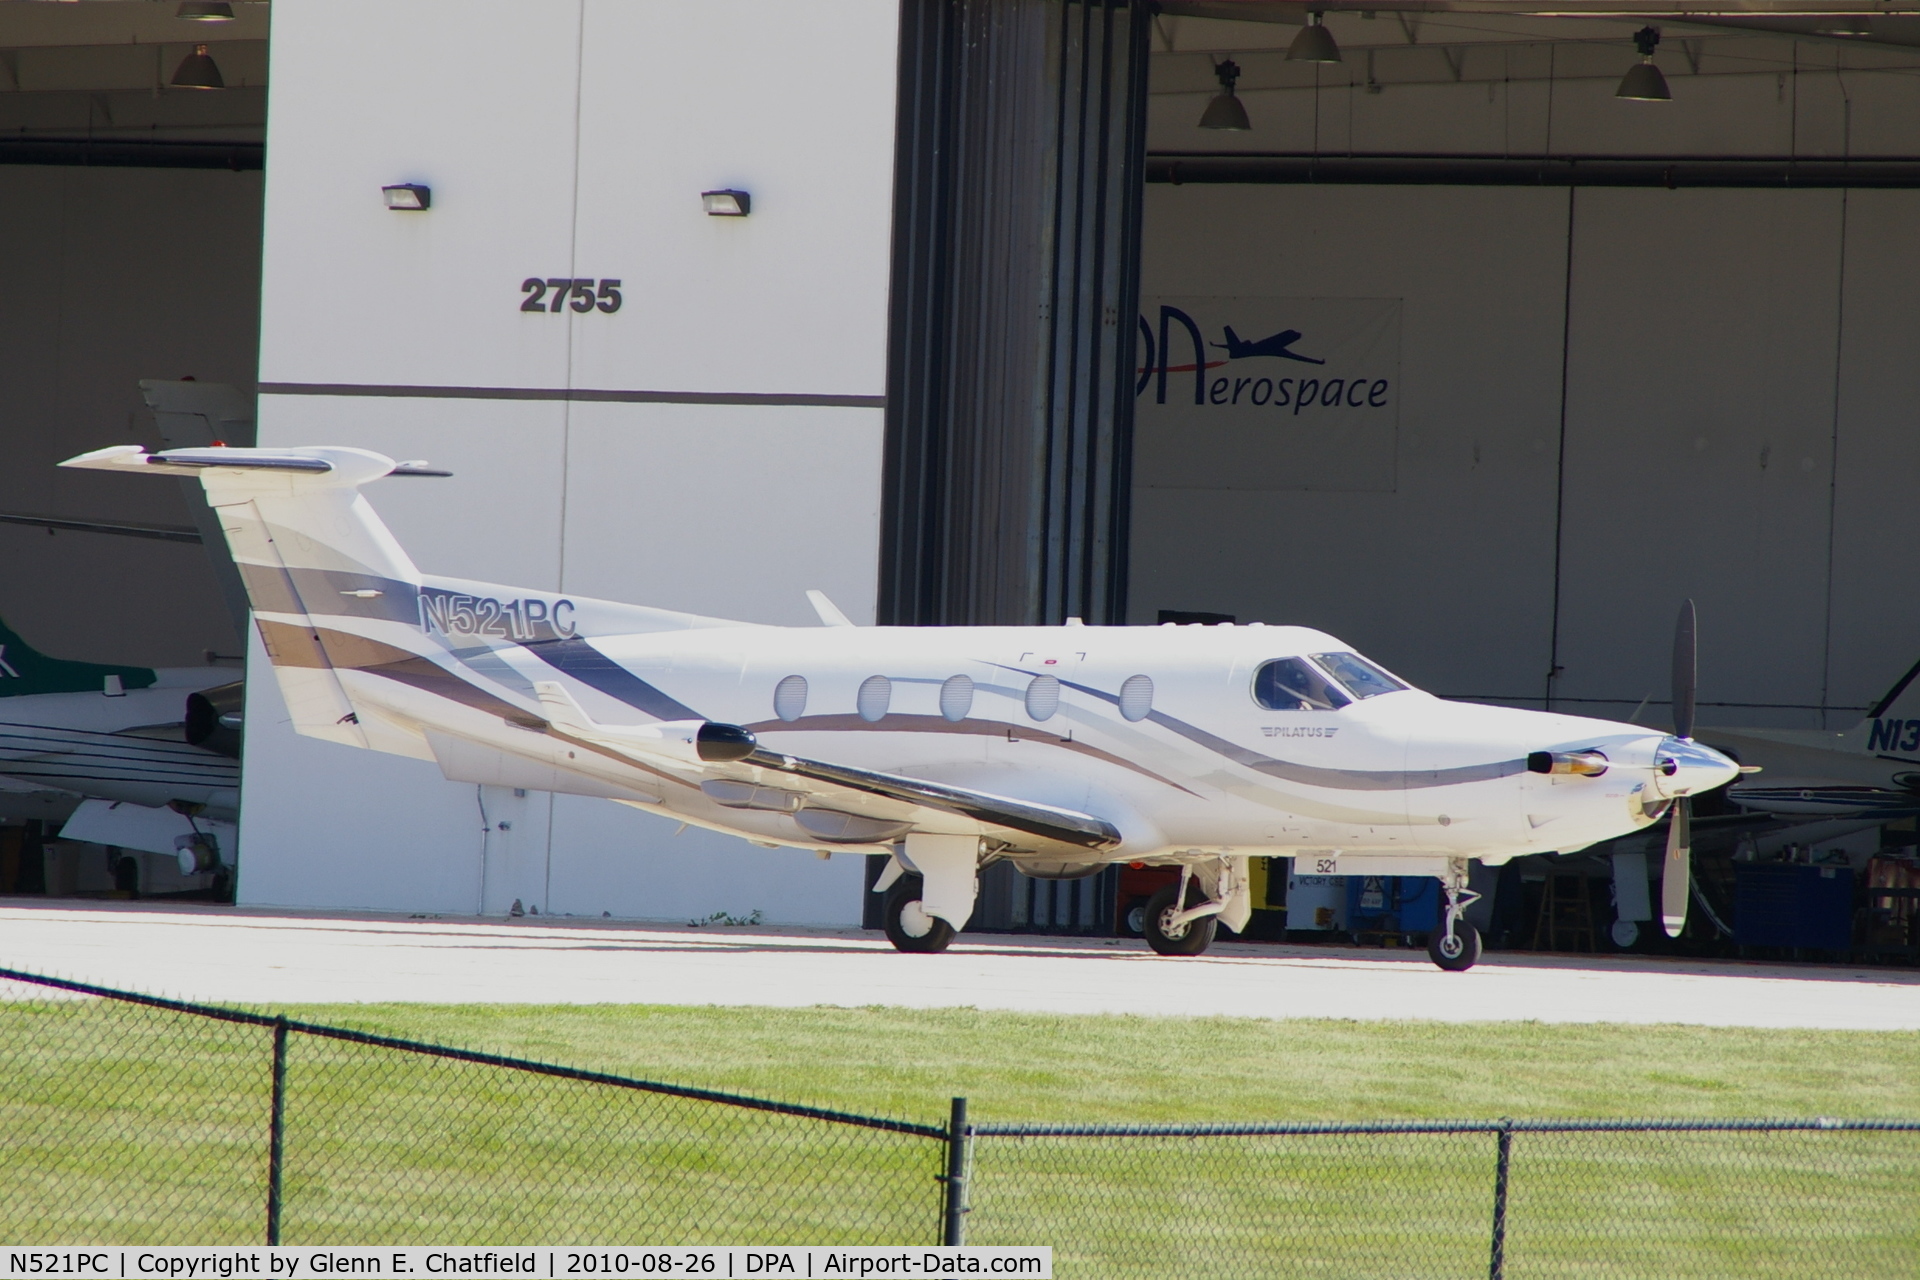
(728,460)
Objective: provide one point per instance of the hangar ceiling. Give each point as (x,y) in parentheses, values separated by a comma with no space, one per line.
(101,69)
(1389,44)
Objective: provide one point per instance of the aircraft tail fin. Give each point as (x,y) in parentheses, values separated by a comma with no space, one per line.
(25,670)
(1892,725)
(330,586)
(332,590)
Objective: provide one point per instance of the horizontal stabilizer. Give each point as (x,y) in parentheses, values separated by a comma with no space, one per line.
(358,465)
(252,459)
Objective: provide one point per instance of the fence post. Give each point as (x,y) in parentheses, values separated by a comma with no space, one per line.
(277,1129)
(1497,1268)
(959,1157)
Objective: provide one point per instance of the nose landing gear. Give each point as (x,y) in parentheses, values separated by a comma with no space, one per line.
(1179,919)
(1455,945)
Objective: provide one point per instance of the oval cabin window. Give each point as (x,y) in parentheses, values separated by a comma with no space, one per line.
(790,698)
(875,693)
(956,698)
(1136,697)
(1043,697)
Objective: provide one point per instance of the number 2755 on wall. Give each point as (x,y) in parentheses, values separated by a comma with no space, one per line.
(560,293)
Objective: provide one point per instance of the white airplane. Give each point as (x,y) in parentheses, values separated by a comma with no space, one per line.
(149,755)
(1870,772)
(1060,749)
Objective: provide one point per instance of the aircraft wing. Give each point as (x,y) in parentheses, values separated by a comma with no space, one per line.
(1048,822)
(722,755)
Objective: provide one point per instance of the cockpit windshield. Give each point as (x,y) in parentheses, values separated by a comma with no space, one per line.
(1358,676)
(1293,684)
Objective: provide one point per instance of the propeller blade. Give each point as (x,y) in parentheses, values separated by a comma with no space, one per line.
(1677,872)
(1685,672)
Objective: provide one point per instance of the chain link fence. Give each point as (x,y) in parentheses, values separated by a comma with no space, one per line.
(129,1119)
(1586,1198)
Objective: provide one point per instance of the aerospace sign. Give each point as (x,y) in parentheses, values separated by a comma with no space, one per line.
(1267,393)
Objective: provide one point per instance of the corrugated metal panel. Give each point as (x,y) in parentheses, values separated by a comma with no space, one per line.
(1016,251)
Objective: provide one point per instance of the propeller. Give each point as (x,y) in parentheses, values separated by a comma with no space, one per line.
(1677,871)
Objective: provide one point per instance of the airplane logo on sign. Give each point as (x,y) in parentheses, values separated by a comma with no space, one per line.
(1238,348)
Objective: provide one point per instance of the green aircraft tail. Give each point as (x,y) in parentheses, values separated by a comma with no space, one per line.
(25,670)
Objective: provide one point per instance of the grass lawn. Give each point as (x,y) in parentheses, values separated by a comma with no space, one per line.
(1135,1070)
(135,1125)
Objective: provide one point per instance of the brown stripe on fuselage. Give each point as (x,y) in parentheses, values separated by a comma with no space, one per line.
(313,646)
(940,724)
(290,645)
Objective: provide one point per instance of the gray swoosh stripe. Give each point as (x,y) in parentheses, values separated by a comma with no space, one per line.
(1315,775)
(590,667)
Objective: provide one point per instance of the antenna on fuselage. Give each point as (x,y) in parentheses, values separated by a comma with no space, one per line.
(830,615)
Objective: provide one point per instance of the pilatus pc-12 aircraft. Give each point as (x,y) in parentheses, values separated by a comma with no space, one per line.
(1059,749)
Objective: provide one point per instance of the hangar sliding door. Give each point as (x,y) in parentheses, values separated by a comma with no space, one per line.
(1016,244)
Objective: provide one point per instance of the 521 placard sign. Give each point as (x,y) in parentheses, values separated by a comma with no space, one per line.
(557,294)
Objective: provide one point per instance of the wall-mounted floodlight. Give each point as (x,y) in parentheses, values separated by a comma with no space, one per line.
(726,204)
(408,195)
(1225,111)
(1643,81)
(198,71)
(205,11)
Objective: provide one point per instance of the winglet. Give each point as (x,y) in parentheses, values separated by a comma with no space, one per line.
(830,615)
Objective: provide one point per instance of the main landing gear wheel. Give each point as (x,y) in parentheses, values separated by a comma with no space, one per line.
(909,928)
(1456,951)
(1188,939)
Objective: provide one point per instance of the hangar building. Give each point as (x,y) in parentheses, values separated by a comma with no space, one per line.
(1573,356)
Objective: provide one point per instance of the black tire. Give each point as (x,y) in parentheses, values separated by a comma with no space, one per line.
(1467,939)
(1193,938)
(935,937)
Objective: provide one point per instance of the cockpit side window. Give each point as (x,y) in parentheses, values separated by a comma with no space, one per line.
(1292,684)
(1358,676)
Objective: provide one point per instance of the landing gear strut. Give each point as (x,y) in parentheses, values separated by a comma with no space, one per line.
(1455,945)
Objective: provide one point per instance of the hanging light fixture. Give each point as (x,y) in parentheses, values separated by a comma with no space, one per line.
(1643,81)
(1314,43)
(198,71)
(1225,111)
(205,11)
